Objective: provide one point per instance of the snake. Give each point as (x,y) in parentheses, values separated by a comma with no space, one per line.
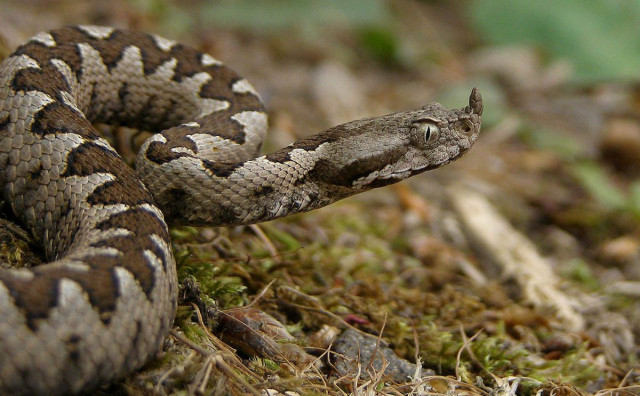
(104,300)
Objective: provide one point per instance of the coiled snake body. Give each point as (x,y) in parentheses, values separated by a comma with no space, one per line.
(105,301)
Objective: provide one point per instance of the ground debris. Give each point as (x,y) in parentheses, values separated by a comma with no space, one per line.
(256,333)
(356,354)
(516,255)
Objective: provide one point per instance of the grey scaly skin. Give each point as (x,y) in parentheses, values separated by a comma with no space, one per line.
(104,303)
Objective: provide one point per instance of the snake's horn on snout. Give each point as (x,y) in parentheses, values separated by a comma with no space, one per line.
(475,102)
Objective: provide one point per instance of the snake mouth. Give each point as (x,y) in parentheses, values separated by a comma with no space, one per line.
(399,175)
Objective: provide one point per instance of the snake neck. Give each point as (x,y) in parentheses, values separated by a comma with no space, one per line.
(311,173)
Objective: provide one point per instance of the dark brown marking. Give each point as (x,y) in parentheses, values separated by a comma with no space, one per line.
(326,172)
(47,79)
(33,297)
(57,117)
(4,122)
(161,153)
(176,214)
(72,345)
(221,169)
(143,224)
(37,296)
(175,195)
(313,142)
(89,159)
(132,259)
(190,62)
(35,173)
(280,156)
(65,50)
(128,192)
(123,92)
(310,143)
(262,191)
(178,136)
(221,124)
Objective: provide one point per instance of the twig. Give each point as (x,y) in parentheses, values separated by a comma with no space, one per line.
(267,242)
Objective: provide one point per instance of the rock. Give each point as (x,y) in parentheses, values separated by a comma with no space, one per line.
(354,354)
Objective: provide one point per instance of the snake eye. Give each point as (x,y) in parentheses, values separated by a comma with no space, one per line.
(426,133)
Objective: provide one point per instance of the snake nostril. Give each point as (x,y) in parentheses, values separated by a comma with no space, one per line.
(467,127)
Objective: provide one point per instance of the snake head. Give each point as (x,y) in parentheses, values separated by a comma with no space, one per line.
(431,137)
(440,136)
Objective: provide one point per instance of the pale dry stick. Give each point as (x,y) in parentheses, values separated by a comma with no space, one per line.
(504,386)
(464,346)
(355,378)
(346,375)
(257,298)
(564,390)
(375,350)
(516,255)
(224,346)
(313,365)
(455,382)
(219,360)
(227,351)
(602,366)
(420,382)
(393,391)
(416,340)
(370,385)
(626,377)
(375,376)
(189,343)
(322,310)
(199,383)
(275,255)
(633,391)
(174,369)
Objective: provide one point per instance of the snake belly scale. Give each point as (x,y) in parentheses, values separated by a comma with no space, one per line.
(102,305)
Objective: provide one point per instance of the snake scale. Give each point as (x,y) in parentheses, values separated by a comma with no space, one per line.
(102,305)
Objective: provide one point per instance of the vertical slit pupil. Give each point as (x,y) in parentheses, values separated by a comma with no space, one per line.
(427,134)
